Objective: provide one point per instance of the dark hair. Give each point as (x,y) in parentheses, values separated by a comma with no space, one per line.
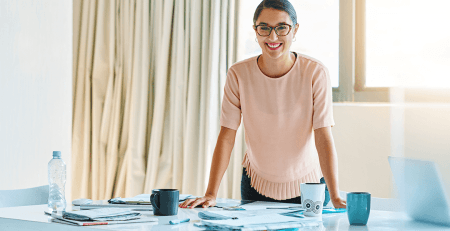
(283,5)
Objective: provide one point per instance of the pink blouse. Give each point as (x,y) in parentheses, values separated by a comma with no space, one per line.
(279,117)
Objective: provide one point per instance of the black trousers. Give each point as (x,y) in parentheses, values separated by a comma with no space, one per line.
(249,193)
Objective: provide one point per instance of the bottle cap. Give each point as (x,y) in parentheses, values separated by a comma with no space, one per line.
(57,154)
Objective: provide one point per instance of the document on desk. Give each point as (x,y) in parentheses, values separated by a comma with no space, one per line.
(273,219)
(142,198)
(258,205)
(99,205)
(250,213)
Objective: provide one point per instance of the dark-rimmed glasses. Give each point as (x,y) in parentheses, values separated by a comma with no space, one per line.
(280,30)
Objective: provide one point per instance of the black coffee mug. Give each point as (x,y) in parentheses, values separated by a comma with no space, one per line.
(165,201)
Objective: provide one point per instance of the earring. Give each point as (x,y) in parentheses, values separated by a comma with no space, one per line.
(295,39)
(256,40)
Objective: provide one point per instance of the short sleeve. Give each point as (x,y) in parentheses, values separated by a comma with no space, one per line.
(230,115)
(322,99)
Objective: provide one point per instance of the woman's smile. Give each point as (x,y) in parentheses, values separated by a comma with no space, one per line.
(274,46)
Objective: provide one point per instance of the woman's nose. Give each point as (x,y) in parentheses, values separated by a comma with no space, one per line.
(273,36)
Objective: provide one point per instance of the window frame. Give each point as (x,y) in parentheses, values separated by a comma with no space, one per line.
(352,65)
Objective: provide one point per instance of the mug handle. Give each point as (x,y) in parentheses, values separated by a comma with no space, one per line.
(152,199)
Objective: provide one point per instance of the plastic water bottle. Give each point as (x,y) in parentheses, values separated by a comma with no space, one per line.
(56,181)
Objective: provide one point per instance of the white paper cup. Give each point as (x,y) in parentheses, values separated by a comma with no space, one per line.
(313,196)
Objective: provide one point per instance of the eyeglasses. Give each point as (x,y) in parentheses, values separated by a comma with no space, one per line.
(281,30)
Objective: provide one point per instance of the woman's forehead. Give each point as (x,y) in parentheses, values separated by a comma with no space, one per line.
(273,17)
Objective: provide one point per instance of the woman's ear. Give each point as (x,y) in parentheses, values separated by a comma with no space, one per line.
(296,28)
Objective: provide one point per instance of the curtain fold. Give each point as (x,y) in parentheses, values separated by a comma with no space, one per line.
(148,87)
(81,140)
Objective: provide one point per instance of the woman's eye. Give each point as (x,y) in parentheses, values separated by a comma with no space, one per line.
(282,27)
(265,28)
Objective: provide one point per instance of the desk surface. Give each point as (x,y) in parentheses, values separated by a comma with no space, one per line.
(33,218)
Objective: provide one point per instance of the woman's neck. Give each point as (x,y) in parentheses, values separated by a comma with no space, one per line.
(278,67)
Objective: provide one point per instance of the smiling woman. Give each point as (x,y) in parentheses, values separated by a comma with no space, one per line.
(284,99)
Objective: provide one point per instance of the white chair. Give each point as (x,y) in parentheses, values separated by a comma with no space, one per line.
(21,197)
(383,204)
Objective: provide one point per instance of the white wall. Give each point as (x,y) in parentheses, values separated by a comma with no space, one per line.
(362,139)
(366,134)
(35,89)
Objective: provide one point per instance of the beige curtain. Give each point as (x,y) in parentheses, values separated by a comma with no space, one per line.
(148,81)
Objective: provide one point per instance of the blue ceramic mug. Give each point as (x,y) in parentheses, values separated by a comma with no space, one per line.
(358,207)
(165,201)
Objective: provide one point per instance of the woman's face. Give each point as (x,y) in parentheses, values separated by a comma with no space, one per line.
(273,45)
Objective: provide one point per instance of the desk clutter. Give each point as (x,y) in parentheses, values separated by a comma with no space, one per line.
(261,215)
(233,214)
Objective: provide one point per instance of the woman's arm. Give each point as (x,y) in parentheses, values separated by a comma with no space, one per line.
(219,165)
(329,163)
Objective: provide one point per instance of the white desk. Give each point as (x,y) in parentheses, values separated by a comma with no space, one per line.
(33,218)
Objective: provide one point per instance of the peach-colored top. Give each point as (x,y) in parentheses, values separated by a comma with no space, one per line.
(279,116)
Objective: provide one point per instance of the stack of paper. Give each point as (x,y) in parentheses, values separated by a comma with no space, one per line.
(105,214)
(140,219)
(101,217)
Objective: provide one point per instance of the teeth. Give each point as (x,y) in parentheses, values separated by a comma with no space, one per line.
(274,46)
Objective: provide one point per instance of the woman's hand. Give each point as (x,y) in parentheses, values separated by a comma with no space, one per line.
(339,203)
(206,201)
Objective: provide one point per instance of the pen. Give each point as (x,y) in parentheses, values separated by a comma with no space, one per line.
(178,221)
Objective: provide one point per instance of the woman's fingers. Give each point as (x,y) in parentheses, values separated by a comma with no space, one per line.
(196,202)
(186,203)
(205,201)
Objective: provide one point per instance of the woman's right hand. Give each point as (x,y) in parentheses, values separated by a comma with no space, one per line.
(206,201)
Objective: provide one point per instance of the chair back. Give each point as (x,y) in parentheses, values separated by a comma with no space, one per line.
(21,197)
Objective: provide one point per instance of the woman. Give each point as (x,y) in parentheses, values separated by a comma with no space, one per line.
(285,99)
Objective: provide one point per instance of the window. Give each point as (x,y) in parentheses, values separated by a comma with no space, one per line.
(402,46)
(407,43)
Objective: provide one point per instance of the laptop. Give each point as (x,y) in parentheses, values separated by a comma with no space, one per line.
(421,190)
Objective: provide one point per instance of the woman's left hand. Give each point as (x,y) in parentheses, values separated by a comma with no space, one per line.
(339,203)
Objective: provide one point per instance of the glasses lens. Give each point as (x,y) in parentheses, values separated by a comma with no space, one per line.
(282,30)
(263,30)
